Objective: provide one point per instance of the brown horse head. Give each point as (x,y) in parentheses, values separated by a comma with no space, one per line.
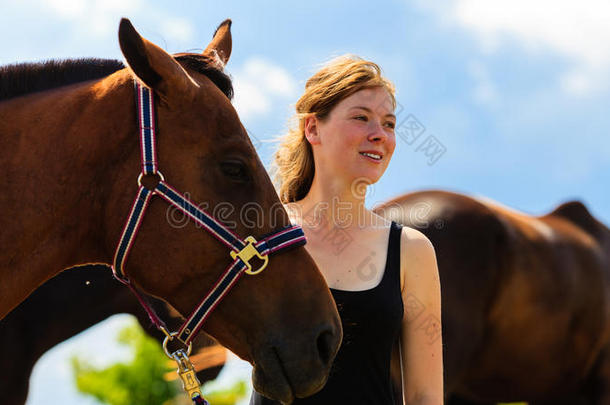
(82,158)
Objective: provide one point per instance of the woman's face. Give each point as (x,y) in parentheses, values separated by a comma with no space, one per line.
(356,141)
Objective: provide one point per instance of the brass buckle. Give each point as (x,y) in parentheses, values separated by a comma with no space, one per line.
(247,253)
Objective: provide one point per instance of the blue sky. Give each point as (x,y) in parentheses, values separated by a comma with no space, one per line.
(515,93)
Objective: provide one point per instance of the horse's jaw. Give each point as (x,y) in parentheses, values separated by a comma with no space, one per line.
(277,377)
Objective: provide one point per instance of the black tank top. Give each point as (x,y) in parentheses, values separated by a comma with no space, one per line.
(371,322)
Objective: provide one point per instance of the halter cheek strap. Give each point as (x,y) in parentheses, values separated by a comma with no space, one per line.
(240,251)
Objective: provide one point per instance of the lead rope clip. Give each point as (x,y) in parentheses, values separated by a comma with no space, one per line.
(186,372)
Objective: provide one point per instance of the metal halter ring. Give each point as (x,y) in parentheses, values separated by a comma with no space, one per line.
(141,175)
(170,337)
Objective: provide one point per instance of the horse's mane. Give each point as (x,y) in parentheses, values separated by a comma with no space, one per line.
(25,78)
(577,213)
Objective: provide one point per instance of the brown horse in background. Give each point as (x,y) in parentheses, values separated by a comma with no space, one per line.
(69,158)
(67,304)
(526,299)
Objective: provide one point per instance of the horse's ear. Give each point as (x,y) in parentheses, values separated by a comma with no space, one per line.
(155,67)
(220,46)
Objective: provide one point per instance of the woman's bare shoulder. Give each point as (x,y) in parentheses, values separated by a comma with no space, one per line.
(417,258)
(413,235)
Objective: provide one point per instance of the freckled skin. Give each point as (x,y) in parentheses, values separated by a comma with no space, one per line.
(347,131)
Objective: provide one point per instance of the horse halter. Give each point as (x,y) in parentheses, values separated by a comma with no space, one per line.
(241,251)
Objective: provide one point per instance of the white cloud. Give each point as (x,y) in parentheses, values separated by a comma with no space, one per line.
(258,84)
(99,18)
(69,9)
(273,77)
(92,17)
(86,9)
(577,82)
(578,31)
(179,29)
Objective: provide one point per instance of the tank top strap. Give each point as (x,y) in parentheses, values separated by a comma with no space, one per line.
(391,276)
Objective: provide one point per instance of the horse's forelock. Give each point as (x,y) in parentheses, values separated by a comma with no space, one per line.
(217,60)
(210,66)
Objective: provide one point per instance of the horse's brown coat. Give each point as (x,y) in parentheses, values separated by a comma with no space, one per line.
(66,305)
(526,300)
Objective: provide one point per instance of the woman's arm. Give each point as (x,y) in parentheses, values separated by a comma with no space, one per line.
(421,339)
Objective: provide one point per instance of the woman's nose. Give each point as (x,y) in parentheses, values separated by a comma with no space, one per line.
(376,132)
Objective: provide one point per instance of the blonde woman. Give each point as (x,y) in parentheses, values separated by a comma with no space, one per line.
(342,143)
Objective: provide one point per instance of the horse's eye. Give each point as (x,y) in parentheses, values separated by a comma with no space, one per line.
(235,170)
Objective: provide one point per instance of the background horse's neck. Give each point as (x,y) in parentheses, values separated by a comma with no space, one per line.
(62,153)
(64,306)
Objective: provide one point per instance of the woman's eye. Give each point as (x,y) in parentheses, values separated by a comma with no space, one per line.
(361,117)
(390,124)
(235,170)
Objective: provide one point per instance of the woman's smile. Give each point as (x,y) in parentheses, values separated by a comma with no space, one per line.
(372,157)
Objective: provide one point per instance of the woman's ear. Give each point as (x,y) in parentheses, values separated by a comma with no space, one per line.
(311,127)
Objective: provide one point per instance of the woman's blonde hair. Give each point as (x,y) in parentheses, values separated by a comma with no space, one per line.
(293,164)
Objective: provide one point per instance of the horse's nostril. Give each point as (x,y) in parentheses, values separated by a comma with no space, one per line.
(325,344)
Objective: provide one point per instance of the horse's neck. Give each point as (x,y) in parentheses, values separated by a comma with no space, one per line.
(58,158)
